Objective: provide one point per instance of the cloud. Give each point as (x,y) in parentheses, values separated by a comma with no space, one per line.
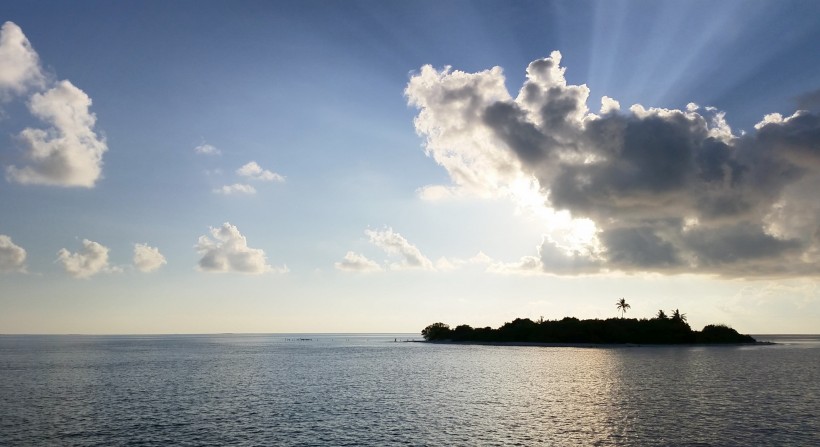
(253,171)
(395,244)
(68,153)
(147,258)
(354,262)
(91,260)
(447,264)
(226,250)
(642,189)
(19,63)
(12,257)
(236,188)
(207,149)
(809,100)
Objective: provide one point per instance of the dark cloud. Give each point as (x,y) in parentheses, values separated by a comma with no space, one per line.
(668,190)
(809,100)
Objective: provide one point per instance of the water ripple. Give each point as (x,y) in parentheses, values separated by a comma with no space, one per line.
(264,390)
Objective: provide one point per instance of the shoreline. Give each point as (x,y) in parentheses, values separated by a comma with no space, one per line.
(583,345)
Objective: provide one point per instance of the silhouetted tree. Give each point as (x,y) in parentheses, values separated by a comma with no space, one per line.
(573,330)
(677,316)
(661,315)
(622,306)
(436,331)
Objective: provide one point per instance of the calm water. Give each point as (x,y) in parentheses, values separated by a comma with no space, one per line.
(368,390)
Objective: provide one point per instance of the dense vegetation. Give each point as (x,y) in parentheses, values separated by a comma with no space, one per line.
(658,330)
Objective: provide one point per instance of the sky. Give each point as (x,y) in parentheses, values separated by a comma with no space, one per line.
(372,166)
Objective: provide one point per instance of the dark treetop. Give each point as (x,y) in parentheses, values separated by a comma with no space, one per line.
(572,330)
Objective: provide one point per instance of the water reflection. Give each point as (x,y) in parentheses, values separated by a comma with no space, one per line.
(371,391)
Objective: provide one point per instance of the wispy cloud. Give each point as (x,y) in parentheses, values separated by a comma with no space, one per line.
(236,188)
(253,171)
(207,149)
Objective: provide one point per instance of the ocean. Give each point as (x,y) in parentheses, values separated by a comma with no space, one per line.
(377,389)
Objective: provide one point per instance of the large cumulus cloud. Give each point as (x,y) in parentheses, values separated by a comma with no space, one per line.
(68,152)
(662,190)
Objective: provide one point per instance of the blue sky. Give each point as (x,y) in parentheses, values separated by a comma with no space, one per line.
(362,219)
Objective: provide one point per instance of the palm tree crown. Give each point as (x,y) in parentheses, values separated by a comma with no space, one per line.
(677,316)
(622,306)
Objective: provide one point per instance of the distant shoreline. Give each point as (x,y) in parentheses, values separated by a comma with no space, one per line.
(584,345)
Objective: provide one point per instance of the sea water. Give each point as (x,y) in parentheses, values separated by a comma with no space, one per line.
(344,389)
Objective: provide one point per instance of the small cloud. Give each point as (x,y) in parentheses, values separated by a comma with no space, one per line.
(354,262)
(207,149)
(236,188)
(147,259)
(19,63)
(226,250)
(395,244)
(253,171)
(91,260)
(12,257)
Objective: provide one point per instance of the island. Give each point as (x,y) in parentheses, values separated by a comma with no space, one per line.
(661,330)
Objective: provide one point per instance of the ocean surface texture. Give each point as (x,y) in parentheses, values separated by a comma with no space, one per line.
(369,390)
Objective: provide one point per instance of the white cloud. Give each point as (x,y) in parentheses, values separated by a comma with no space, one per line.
(253,171)
(12,257)
(447,264)
(236,188)
(207,149)
(67,154)
(19,63)
(354,262)
(435,193)
(147,258)
(621,190)
(91,260)
(226,250)
(395,244)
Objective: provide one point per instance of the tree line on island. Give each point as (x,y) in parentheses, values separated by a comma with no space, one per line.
(661,329)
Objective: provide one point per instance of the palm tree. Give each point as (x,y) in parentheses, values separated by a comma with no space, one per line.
(677,316)
(622,306)
(661,315)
